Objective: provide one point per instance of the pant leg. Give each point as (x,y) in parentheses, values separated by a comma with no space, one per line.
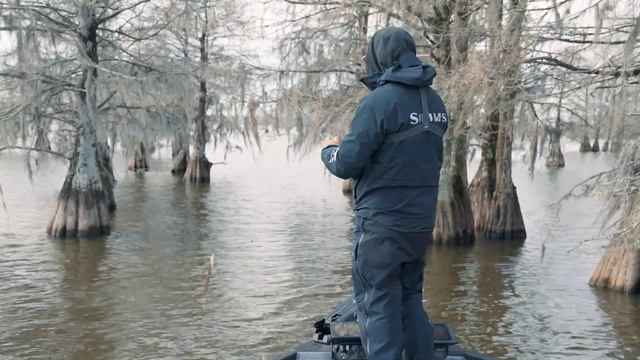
(376,277)
(416,328)
(358,283)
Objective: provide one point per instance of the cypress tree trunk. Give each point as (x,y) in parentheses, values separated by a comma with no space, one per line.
(138,158)
(494,198)
(83,202)
(585,145)
(454,217)
(179,155)
(533,149)
(106,175)
(198,168)
(555,159)
(596,141)
(619,267)
(83,208)
(42,128)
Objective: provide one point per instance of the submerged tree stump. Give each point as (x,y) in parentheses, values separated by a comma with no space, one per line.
(138,159)
(198,170)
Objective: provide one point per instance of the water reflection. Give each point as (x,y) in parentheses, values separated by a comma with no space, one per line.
(86,307)
(624,317)
(467,287)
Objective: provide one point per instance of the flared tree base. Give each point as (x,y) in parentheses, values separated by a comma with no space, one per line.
(198,170)
(496,215)
(454,217)
(138,160)
(619,270)
(180,161)
(79,213)
(137,163)
(585,145)
(555,159)
(451,228)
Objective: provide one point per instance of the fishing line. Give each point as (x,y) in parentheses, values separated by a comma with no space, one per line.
(308,118)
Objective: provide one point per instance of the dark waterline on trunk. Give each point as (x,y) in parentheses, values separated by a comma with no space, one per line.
(280,233)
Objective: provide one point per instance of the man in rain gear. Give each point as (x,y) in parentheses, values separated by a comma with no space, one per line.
(393,151)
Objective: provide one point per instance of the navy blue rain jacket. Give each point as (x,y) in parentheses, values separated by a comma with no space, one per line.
(395,183)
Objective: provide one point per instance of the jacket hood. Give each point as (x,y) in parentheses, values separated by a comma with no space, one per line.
(391,57)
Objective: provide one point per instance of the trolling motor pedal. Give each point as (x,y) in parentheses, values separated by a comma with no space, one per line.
(322,333)
(340,330)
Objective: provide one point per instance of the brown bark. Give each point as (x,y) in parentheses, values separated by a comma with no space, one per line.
(454,216)
(454,219)
(179,155)
(199,167)
(87,193)
(493,195)
(107,178)
(138,158)
(82,211)
(79,213)
(619,270)
(555,159)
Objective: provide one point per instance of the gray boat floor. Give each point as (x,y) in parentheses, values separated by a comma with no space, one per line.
(315,351)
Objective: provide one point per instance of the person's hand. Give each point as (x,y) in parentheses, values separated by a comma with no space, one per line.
(331,141)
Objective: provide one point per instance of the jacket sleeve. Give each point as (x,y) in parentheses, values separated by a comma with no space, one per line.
(365,135)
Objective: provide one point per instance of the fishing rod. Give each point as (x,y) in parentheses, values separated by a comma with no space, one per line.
(308,118)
